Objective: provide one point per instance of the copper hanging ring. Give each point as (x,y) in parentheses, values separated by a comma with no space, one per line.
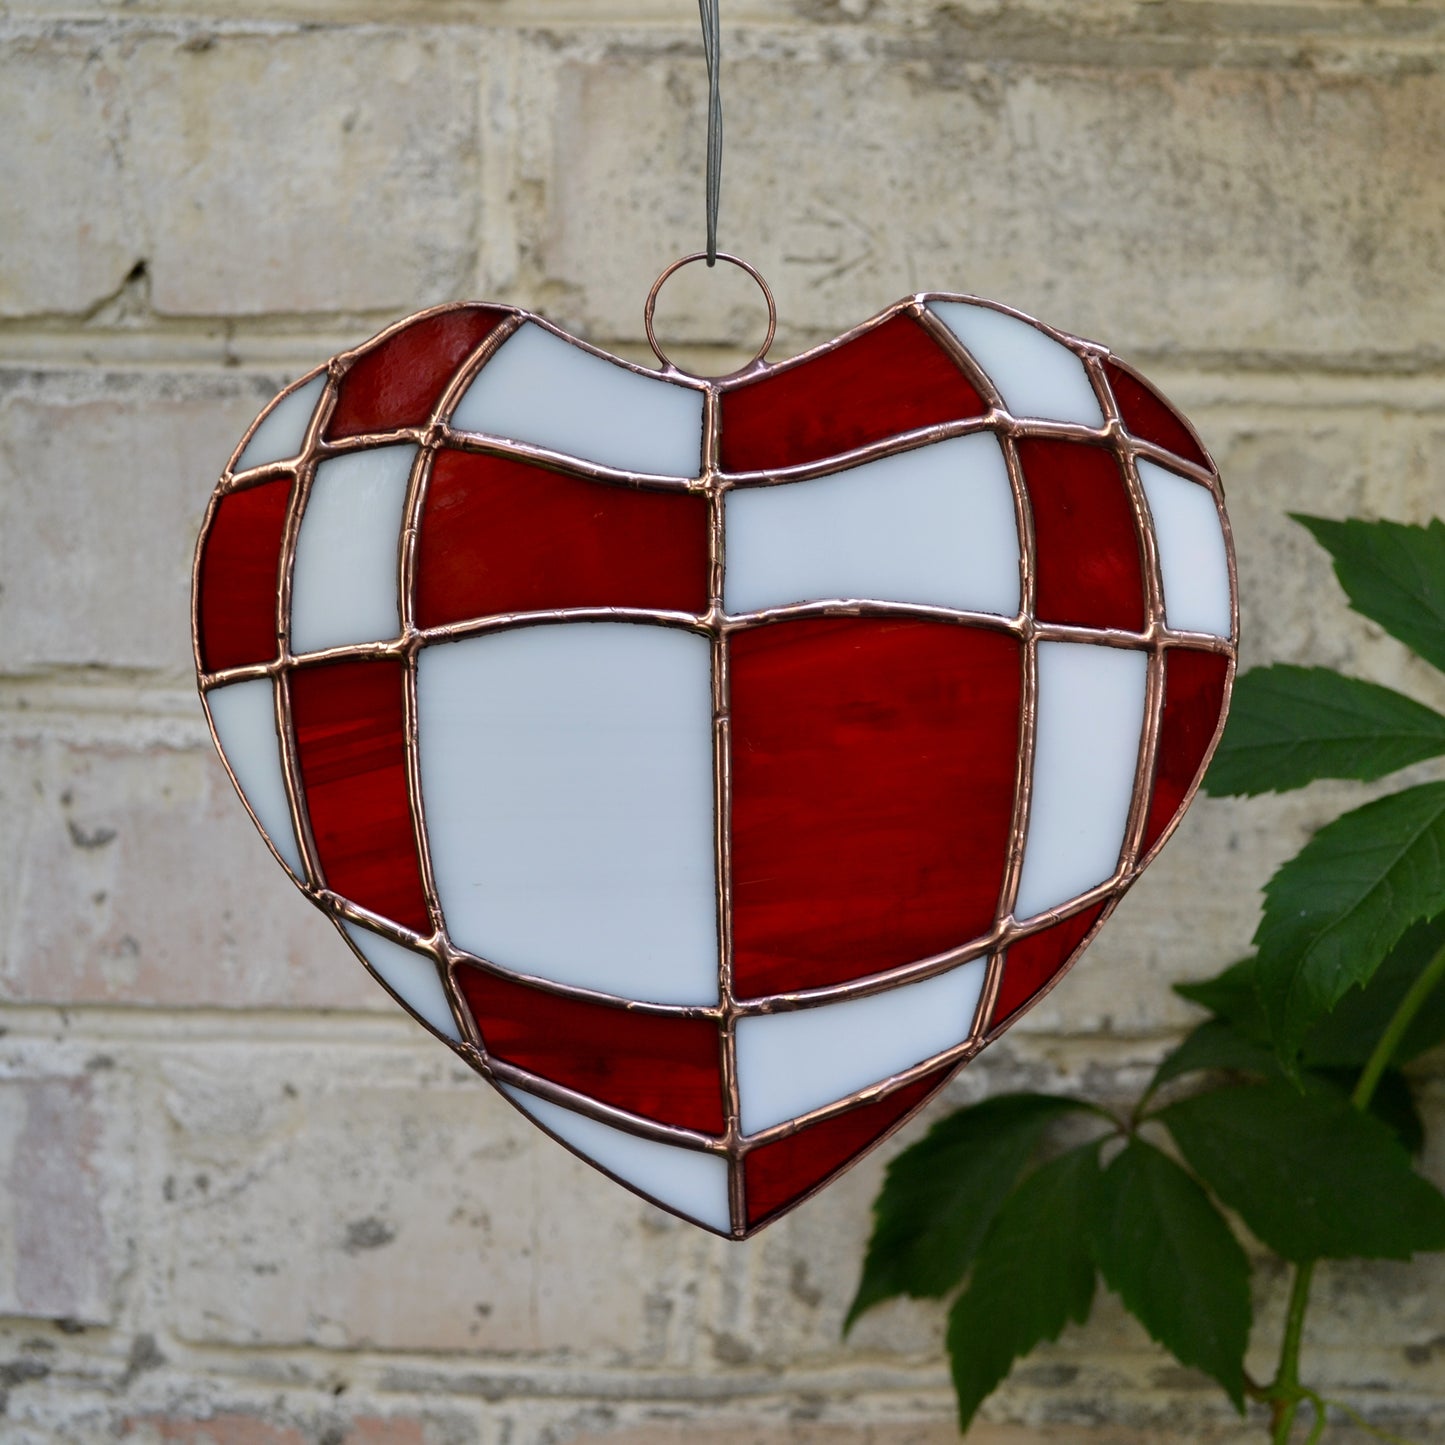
(650,305)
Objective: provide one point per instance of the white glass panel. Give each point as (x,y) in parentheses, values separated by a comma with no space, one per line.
(344,586)
(933,525)
(280,436)
(567,779)
(1192,556)
(245,717)
(543,390)
(791,1063)
(687,1180)
(1086,754)
(1035,375)
(410,975)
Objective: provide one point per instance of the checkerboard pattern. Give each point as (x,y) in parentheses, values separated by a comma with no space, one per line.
(718,765)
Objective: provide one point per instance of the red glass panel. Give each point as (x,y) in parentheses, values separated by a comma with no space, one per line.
(873,783)
(777,1174)
(237,585)
(890,380)
(349,731)
(1089,570)
(400,380)
(663,1068)
(1149,417)
(1034,960)
(500,535)
(1193,700)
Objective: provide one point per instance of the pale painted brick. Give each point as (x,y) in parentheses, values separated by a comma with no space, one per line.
(328,1229)
(294,148)
(220,1429)
(64,1136)
(349,1198)
(794,1432)
(283,1427)
(252,172)
(102,489)
(65,231)
(134,877)
(855,1420)
(1155,210)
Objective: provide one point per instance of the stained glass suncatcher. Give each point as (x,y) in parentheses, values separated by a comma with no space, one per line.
(717,766)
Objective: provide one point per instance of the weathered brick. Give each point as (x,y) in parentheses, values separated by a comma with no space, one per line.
(66,1174)
(296,145)
(219,1429)
(293,146)
(135,878)
(356,1198)
(328,1230)
(103,483)
(66,229)
(1155,209)
(235,1427)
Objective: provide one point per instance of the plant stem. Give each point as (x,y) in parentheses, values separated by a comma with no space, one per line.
(1286,1380)
(1404,1016)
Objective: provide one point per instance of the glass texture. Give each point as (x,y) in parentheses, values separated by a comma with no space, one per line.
(873,765)
(1149,417)
(894,378)
(499,535)
(567,778)
(1089,567)
(1036,375)
(349,745)
(1086,757)
(244,714)
(283,432)
(778,1174)
(659,1066)
(1032,962)
(798,1060)
(1193,701)
(615,734)
(1193,558)
(398,381)
(344,584)
(693,1183)
(551,393)
(412,976)
(934,525)
(237,584)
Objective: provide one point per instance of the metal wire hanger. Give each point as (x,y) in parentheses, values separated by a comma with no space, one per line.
(712,47)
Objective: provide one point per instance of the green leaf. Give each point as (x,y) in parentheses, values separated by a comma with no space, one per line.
(1347,1036)
(1290,725)
(1166,1251)
(1392,1103)
(1312,1176)
(1034,1273)
(940,1196)
(1233,996)
(1394,574)
(1334,911)
(1216,1044)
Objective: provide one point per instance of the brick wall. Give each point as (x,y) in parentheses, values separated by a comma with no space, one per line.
(245,1202)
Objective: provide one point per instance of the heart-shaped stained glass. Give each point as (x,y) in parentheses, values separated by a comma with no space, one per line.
(717,765)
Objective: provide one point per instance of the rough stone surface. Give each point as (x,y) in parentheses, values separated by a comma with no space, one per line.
(247,168)
(102,484)
(243,1200)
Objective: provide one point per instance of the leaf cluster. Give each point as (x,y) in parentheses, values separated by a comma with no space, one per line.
(1286,1110)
